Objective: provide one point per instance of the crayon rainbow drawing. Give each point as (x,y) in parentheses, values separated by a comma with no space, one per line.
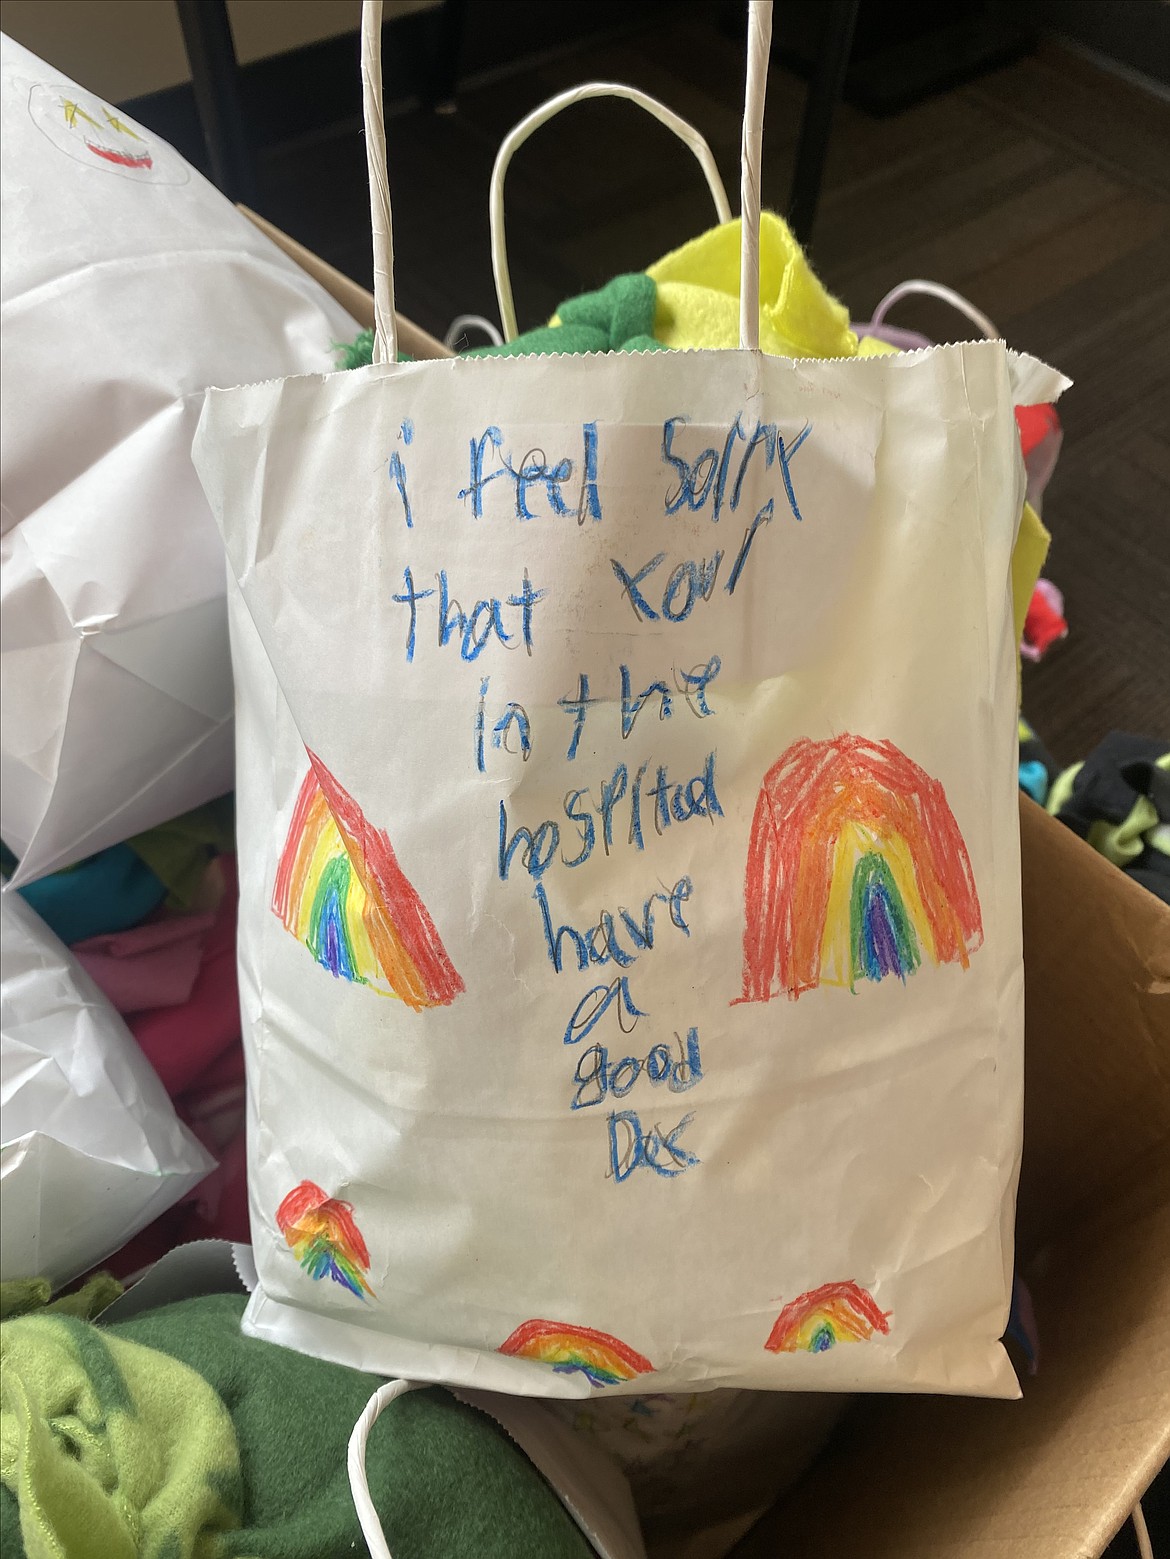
(826,1316)
(322,1235)
(340,890)
(856,870)
(602,1359)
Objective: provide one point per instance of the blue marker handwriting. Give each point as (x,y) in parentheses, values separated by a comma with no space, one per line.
(691,686)
(707,483)
(511,731)
(396,471)
(594,1005)
(672,594)
(471,631)
(534,478)
(597,1077)
(659,803)
(619,937)
(633,1146)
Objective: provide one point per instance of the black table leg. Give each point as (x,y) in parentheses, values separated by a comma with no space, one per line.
(211,53)
(824,89)
(442,78)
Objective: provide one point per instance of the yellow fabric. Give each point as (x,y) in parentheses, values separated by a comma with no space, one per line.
(1031,549)
(698,306)
(873,346)
(698,296)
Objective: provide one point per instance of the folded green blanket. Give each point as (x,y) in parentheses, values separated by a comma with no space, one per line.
(173,1436)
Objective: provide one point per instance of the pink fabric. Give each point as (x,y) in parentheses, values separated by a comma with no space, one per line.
(153,965)
(182,1042)
(195,1048)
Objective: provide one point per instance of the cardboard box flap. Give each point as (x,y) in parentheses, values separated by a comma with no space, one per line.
(412,339)
(1051,1477)
(1097,1037)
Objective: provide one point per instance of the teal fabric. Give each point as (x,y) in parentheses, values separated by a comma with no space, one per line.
(111,891)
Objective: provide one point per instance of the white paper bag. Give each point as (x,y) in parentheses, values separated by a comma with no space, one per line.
(92,1147)
(630,930)
(129,284)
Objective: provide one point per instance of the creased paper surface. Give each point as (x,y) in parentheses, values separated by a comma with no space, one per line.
(92,1148)
(128,284)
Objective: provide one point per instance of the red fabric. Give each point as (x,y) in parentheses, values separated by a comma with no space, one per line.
(1035,424)
(1045,622)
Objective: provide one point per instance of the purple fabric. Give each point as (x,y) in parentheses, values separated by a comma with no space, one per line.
(904,340)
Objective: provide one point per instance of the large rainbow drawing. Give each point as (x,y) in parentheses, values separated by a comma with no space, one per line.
(856,870)
(825,1316)
(321,1233)
(601,1358)
(340,890)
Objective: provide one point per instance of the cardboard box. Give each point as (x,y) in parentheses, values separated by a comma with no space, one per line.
(1055,1475)
(412,339)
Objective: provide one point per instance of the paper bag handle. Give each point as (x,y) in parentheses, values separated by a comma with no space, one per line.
(759,48)
(359,1486)
(385,323)
(533,121)
(935,289)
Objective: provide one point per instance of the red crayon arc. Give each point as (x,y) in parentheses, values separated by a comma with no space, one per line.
(388,888)
(122,159)
(866,798)
(530,1332)
(340,890)
(321,1232)
(306,1198)
(568,1349)
(834,1313)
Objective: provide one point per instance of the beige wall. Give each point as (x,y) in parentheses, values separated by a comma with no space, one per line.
(125,48)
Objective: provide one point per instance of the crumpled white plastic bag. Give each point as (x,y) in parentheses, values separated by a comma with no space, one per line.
(92,1148)
(128,284)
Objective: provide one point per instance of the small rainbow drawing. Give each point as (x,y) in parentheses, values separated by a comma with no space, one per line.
(601,1358)
(856,870)
(825,1316)
(340,890)
(321,1233)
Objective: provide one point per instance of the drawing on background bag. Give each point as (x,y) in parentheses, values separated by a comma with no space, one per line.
(856,870)
(340,890)
(826,1316)
(321,1233)
(90,132)
(602,1359)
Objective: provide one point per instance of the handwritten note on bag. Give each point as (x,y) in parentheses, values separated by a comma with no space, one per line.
(863,867)
(622,844)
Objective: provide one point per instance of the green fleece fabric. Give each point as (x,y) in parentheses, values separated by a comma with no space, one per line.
(110,1448)
(23,1296)
(619,317)
(250,1453)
